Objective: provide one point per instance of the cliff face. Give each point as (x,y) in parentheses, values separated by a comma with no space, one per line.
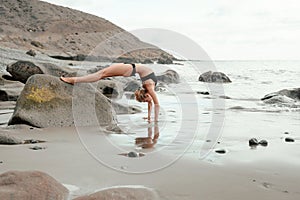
(63,32)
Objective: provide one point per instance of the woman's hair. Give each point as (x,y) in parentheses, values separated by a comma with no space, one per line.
(140,95)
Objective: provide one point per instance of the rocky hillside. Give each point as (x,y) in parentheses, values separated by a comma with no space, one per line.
(62,32)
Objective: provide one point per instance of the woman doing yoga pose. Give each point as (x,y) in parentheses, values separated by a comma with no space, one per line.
(148,78)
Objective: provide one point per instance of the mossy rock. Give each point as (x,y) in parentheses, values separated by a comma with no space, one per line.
(46,101)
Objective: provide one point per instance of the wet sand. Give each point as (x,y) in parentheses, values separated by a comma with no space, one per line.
(239,174)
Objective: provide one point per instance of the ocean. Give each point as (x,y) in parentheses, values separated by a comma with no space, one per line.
(196,124)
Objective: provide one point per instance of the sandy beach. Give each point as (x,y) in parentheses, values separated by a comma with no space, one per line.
(264,173)
(227,129)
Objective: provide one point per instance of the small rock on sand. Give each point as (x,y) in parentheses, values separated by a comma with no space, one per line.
(203,93)
(37,148)
(288,139)
(263,143)
(220,151)
(253,142)
(133,154)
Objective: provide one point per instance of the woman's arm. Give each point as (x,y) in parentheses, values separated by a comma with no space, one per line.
(152,93)
(149,111)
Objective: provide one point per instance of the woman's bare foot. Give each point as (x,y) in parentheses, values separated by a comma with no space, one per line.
(69,80)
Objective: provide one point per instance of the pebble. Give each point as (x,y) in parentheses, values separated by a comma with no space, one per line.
(286,133)
(221,151)
(263,143)
(289,139)
(253,142)
(133,154)
(37,148)
(31,52)
(204,93)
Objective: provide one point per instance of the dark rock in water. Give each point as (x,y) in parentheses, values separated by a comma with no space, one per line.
(224,97)
(17,185)
(22,70)
(46,101)
(221,151)
(288,139)
(203,93)
(214,77)
(111,89)
(283,96)
(253,142)
(263,143)
(122,193)
(278,99)
(31,52)
(9,140)
(133,154)
(169,76)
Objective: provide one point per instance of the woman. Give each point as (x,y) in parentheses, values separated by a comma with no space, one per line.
(149,80)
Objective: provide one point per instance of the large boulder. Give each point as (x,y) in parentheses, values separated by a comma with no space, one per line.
(214,77)
(46,101)
(122,193)
(22,70)
(29,185)
(283,96)
(169,76)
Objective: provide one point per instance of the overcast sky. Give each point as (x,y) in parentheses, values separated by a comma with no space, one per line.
(225,29)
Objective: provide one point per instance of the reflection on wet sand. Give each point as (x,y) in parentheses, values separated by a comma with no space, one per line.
(151,140)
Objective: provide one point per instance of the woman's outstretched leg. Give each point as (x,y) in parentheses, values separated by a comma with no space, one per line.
(84,79)
(113,70)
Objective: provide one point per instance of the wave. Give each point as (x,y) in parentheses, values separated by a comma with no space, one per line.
(268,108)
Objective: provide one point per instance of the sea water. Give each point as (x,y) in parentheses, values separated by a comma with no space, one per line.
(234,119)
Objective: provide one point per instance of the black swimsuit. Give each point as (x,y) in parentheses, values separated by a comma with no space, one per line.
(133,70)
(149,76)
